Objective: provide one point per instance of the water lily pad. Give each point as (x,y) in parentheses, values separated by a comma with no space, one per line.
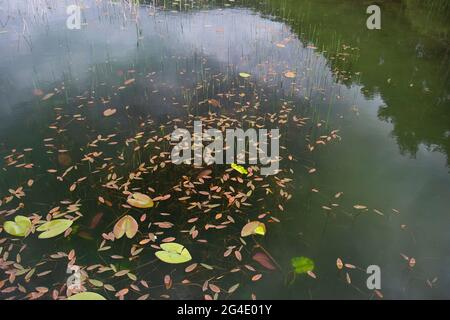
(239,168)
(86,296)
(20,227)
(126,225)
(253,227)
(54,228)
(302,264)
(173,253)
(264,260)
(140,200)
(244,75)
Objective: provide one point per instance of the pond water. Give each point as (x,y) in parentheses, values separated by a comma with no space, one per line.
(364,120)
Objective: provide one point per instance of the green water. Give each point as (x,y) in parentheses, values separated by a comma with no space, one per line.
(380,96)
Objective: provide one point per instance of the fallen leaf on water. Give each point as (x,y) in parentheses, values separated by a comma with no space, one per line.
(54,228)
(238,255)
(339,263)
(244,75)
(215,103)
(167,282)
(48,96)
(256,277)
(20,227)
(204,173)
(191,267)
(302,264)
(96,283)
(38,92)
(378,212)
(378,293)
(214,288)
(122,293)
(86,296)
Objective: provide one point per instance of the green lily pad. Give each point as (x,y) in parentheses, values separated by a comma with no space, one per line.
(20,227)
(86,296)
(239,168)
(302,264)
(173,253)
(54,228)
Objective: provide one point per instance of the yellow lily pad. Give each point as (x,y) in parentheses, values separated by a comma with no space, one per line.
(140,200)
(245,75)
(20,227)
(173,253)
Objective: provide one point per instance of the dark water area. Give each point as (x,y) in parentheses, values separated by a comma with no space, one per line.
(364,119)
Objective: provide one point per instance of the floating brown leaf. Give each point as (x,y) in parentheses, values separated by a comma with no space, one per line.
(339,263)
(109,112)
(256,277)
